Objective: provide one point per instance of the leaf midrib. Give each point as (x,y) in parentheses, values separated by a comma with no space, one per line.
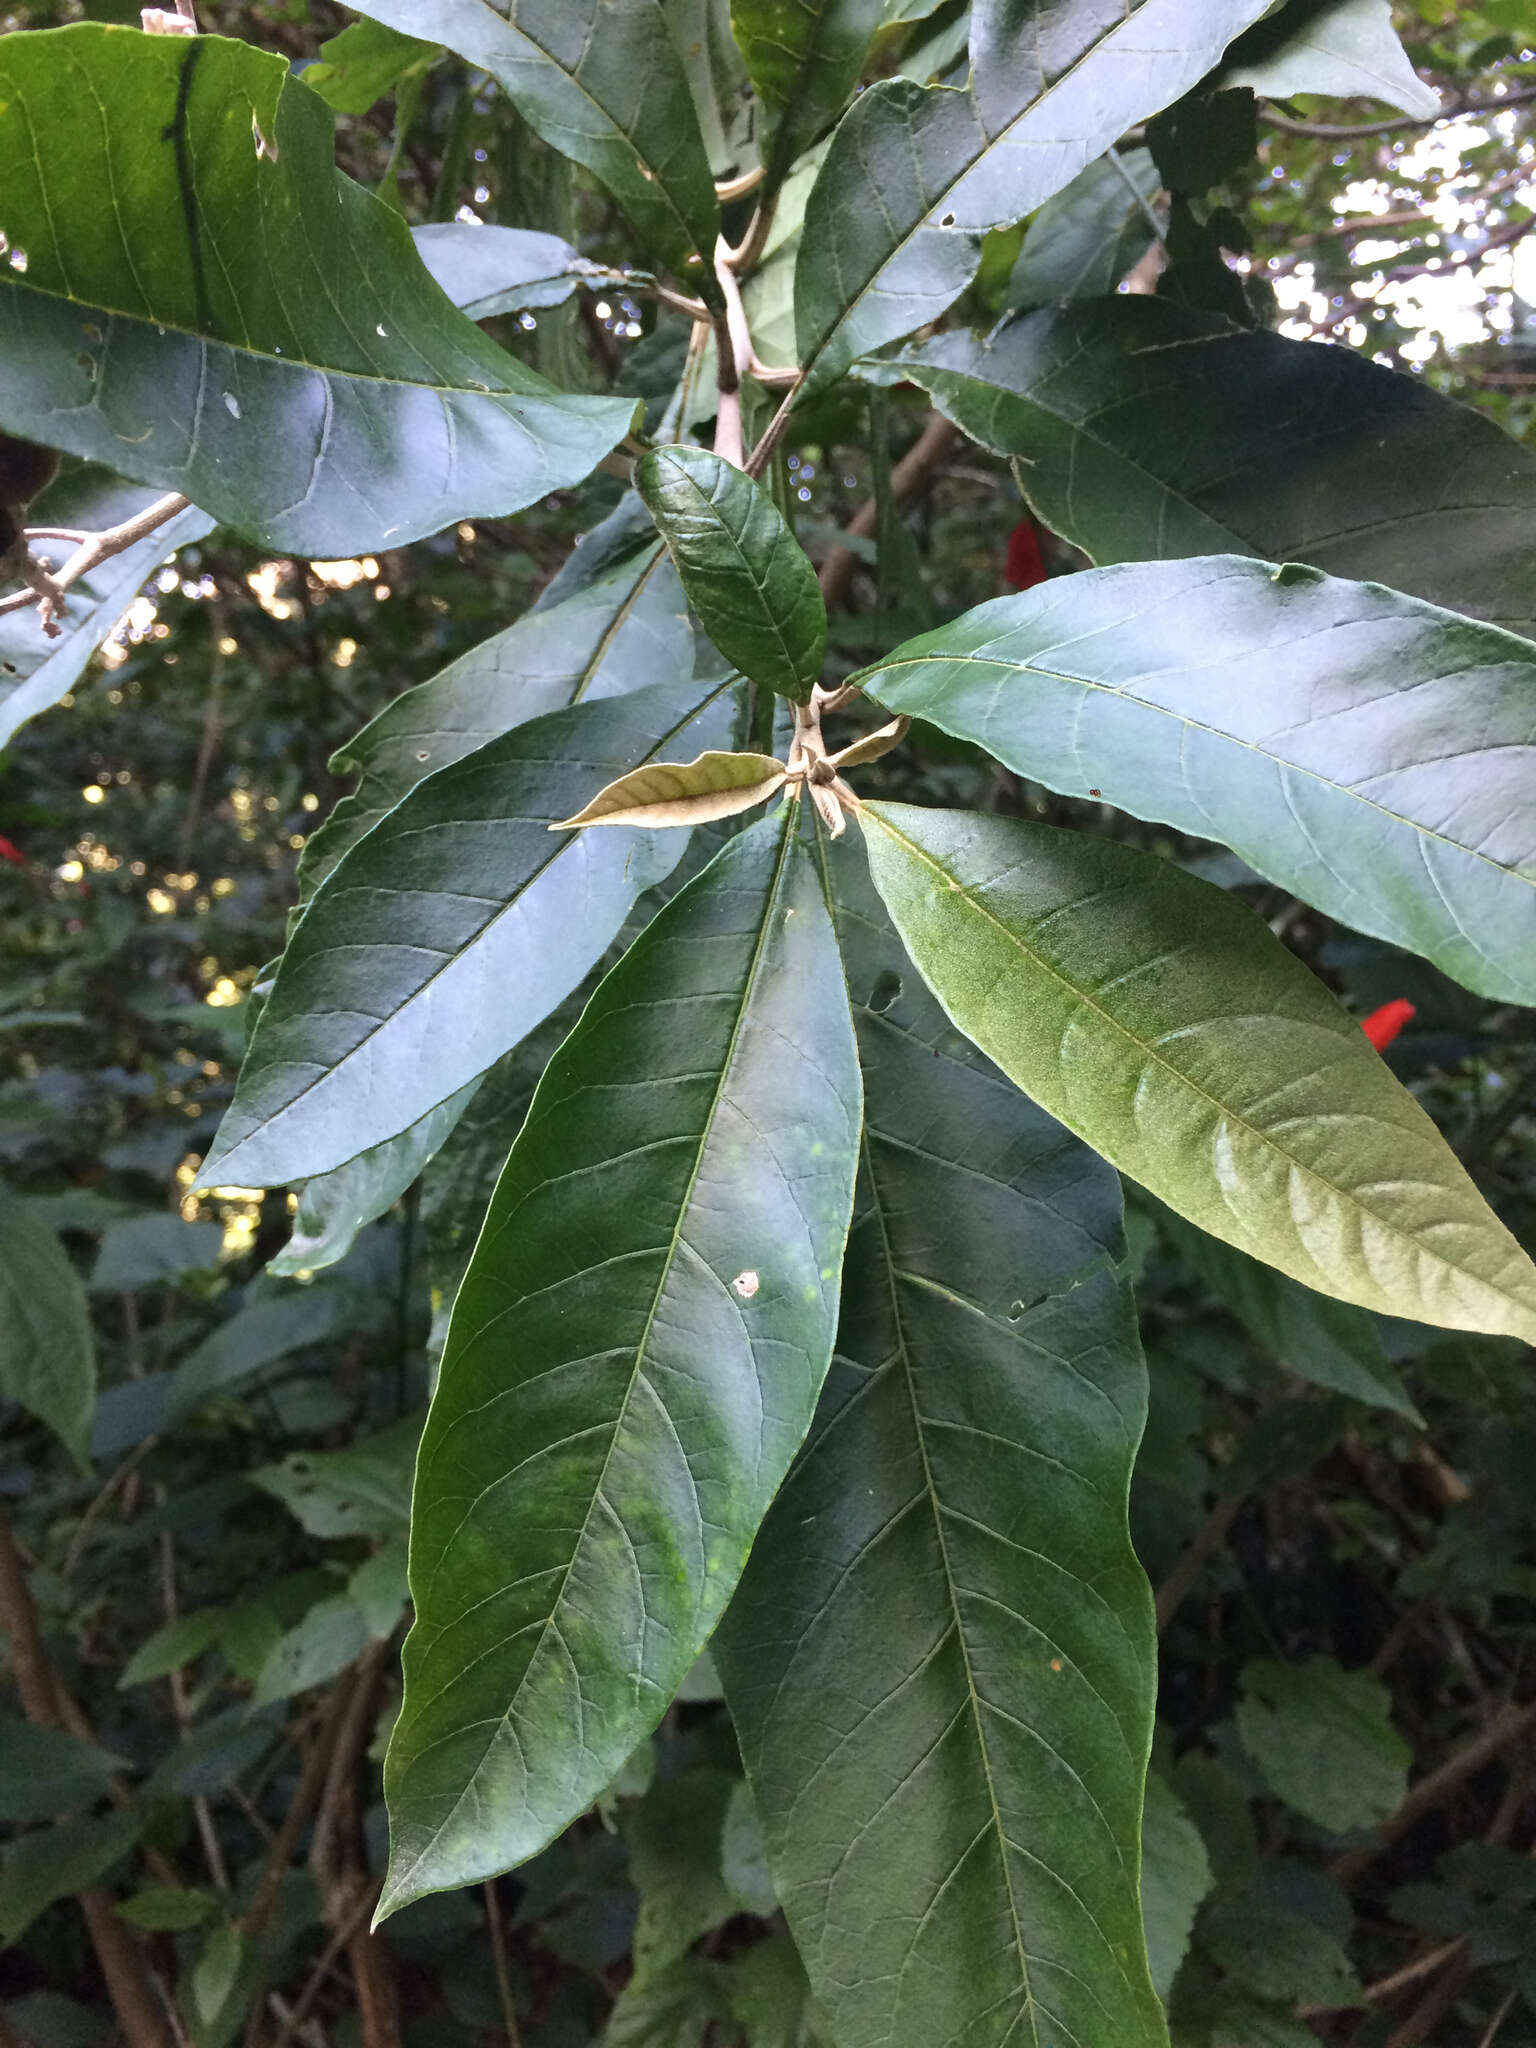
(1059,675)
(786,844)
(1415,1248)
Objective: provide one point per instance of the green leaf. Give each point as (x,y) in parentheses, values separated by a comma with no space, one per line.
(167,1908)
(173,1646)
(803,58)
(153,1250)
(1165,1023)
(1324,1741)
(1146,430)
(35,671)
(678,2009)
(674,1862)
(1175,1877)
(263,1331)
(744,1855)
(44,1772)
(250,329)
(448,932)
(700,792)
(47,1357)
(1084,240)
(363,1490)
(56,1862)
(745,574)
(633,1360)
(1202,140)
(770,1996)
(1373,754)
(336,1206)
(916,175)
(626,629)
(214,1972)
(1347,48)
(489,270)
(356,68)
(602,82)
(327,1640)
(1328,1342)
(941,1663)
(1273,1952)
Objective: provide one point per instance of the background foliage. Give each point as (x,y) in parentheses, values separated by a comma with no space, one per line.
(1334,1507)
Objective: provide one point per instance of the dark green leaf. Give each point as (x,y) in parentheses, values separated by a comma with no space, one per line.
(1165,1023)
(153,1250)
(35,671)
(625,629)
(1145,431)
(1348,48)
(363,1490)
(173,1646)
(488,270)
(55,1862)
(364,62)
(270,1327)
(260,335)
(601,81)
(633,1360)
(1084,240)
(44,1772)
(745,574)
(1175,1877)
(1324,1741)
(941,1662)
(803,58)
(1374,754)
(1273,1952)
(1203,139)
(448,932)
(916,175)
(1328,1342)
(47,1357)
(326,1641)
(674,1836)
(167,1908)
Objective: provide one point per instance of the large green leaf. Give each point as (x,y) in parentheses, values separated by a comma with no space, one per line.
(803,58)
(1146,430)
(941,1661)
(1374,754)
(916,175)
(1348,48)
(47,1359)
(1323,1739)
(746,575)
(634,1358)
(627,628)
(449,931)
(243,324)
(51,1863)
(602,82)
(45,1772)
(1163,1022)
(1083,241)
(36,671)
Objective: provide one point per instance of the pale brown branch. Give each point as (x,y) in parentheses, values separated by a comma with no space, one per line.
(1327,132)
(907,478)
(1201,1548)
(47,587)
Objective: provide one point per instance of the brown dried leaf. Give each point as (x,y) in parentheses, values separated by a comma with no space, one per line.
(683,793)
(872,745)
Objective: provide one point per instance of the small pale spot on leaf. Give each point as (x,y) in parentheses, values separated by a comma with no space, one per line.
(746,1284)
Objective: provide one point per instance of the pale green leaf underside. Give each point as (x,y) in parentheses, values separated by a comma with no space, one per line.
(1374,754)
(1162,1021)
(634,1358)
(252,330)
(940,1662)
(1347,48)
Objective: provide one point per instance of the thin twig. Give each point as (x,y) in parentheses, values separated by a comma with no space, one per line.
(299,2012)
(1201,1548)
(93,550)
(1144,205)
(1326,132)
(907,477)
(498,1933)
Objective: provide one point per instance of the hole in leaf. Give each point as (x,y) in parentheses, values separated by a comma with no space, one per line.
(948,221)
(887,990)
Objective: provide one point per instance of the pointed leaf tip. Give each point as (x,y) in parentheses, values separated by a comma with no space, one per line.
(698,792)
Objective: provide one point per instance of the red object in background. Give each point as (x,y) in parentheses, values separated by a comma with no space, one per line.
(12,853)
(1025,565)
(1383,1025)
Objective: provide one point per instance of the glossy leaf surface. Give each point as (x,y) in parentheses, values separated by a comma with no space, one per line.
(697,792)
(602,82)
(47,1358)
(36,671)
(448,933)
(941,1662)
(746,575)
(626,629)
(1348,48)
(634,1358)
(916,175)
(490,270)
(250,329)
(1162,1021)
(803,58)
(1146,430)
(1375,755)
